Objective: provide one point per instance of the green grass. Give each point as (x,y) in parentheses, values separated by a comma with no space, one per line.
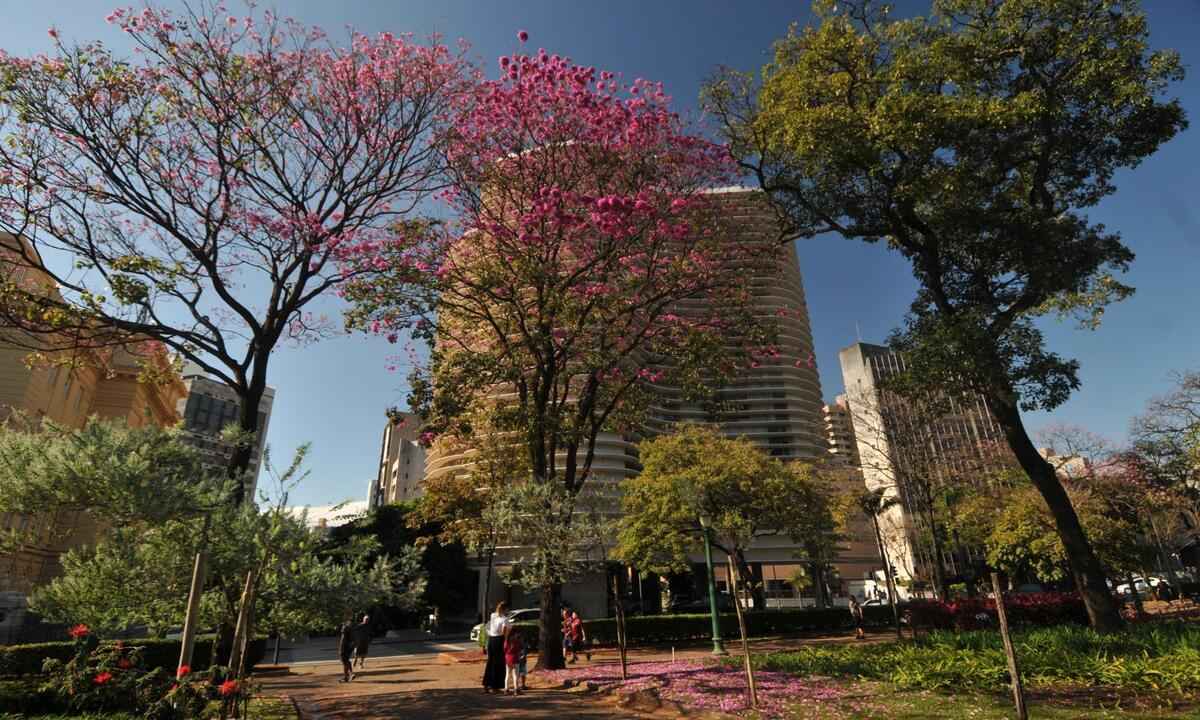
(1140,659)
(876,701)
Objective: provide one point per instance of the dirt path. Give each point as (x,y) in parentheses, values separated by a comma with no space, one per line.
(423,689)
(448,686)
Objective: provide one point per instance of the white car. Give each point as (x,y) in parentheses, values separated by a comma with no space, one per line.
(522,615)
(1143,585)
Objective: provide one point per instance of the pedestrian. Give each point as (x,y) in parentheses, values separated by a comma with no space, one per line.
(514,647)
(496,628)
(856,614)
(345,648)
(578,636)
(522,666)
(433,622)
(568,646)
(362,641)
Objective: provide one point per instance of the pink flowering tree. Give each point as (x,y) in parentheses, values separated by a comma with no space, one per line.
(203,192)
(586,264)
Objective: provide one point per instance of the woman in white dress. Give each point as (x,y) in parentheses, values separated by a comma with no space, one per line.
(493,672)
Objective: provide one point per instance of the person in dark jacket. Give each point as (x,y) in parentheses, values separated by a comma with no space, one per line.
(362,641)
(345,648)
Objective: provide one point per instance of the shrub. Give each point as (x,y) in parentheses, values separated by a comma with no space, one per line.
(652,629)
(17,660)
(26,697)
(1024,609)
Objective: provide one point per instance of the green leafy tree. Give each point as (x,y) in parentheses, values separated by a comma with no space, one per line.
(696,477)
(400,533)
(1015,529)
(115,474)
(972,141)
(743,493)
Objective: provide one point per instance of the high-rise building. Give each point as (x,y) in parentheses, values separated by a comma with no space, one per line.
(211,405)
(839,429)
(906,448)
(401,463)
(776,404)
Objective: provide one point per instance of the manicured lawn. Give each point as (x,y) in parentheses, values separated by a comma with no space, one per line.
(864,700)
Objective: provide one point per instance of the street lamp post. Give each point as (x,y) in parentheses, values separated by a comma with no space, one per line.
(718,645)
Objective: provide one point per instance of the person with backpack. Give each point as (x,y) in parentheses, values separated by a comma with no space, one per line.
(856,614)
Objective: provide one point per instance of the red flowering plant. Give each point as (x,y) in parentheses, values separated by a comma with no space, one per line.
(101,675)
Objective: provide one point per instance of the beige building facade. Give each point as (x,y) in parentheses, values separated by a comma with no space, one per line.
(905,448)
(401,463)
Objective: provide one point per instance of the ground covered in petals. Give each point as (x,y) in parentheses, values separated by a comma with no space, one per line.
(702,685)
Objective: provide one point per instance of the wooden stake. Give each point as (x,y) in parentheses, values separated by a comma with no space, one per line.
(737,604)
(1013,670)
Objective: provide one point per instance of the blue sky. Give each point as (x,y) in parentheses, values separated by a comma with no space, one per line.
(334,393)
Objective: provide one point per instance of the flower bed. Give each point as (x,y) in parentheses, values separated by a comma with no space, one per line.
(711,686)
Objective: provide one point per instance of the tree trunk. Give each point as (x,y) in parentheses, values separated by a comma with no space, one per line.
(817,572)
(550,654)
(239,461)
(242,627)
(939,571)
(487,582)
(893,597)
(1085,567)
(1010,653)
(619,608)
(737,605)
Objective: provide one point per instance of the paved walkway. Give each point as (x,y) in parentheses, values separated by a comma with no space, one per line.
(440,688)
(422,689)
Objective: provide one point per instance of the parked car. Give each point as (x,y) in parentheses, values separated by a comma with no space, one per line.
(1147,586)
(522,615)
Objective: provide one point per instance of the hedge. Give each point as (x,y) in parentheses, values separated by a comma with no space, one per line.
(651,629)
(1024,609)
(22,698)
(28,659)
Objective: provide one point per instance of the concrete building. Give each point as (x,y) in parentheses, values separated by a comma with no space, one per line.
(839,430)
(401,463)
(776,404)
(906,447)
(209,406)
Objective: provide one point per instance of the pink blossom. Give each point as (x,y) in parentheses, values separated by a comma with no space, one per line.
(522,36)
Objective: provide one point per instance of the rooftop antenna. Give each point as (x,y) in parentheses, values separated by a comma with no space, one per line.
(857,331)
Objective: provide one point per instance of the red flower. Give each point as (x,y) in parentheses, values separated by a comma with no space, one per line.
(79,631)
(228,688)
(183,670)
(522,36)
(102,678)
(124,663)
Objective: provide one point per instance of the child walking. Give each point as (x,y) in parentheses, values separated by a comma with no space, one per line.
(514,661)
(522,673)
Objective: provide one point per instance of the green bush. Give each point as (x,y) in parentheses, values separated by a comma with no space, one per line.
(17,660)
(26,697)
(655,629)
(1144,658)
